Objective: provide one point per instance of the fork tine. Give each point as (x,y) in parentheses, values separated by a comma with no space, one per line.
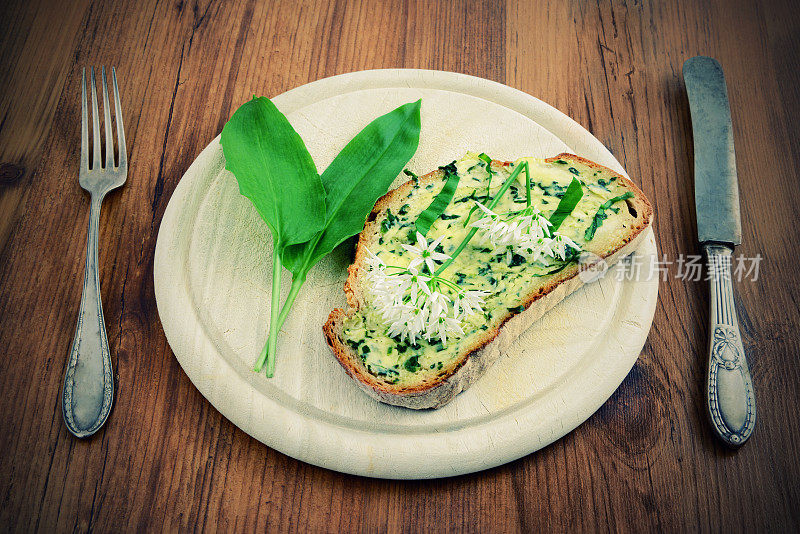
(107,120)
(84,125)
(123,155)
(97,162)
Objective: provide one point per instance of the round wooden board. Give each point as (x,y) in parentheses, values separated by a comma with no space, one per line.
(212,283)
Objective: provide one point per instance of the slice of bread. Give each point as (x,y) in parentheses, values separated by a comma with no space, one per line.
(430,374)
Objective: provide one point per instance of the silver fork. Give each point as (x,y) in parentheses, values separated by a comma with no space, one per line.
(88,391)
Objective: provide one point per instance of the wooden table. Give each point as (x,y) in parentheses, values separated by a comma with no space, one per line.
(167,460)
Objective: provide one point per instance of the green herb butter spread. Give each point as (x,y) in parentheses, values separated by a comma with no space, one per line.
(507,277)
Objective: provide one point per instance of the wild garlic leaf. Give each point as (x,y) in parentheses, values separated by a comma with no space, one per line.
(571,197)
(357,177)
(440,201)
(275,171)
(600,216)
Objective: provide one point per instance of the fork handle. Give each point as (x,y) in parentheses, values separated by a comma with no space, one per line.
(731,402)
(88,391)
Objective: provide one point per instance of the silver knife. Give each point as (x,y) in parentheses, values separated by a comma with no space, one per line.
(731,402)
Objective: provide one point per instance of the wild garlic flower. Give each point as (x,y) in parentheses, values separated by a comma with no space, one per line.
(374,263)
(528,232)
(527,225)
(417,306)
(442,326)
(426,253)
(560,245)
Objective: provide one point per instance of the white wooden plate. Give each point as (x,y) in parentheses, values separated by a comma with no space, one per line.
(212,284)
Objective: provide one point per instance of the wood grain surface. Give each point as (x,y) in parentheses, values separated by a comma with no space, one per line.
(167,460)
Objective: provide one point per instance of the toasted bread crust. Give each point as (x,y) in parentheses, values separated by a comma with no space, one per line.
(488,347)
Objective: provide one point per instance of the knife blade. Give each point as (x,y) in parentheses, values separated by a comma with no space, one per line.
(729,387)
(716,189)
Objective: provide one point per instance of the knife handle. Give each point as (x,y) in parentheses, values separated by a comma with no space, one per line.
(731,402)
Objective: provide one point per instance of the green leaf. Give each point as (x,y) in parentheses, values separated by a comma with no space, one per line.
(567,203)
(601,216)
(357,177)
(275,171)
(440,201)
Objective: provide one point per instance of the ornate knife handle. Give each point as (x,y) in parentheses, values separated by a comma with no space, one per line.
(89,382)
(731,402)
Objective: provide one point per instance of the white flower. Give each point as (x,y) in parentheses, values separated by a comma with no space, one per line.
(400,300)
(408,323)
(491,224)
(528,232)
(396,313)
(519,226)
(486,211)
(419,282)
(415,306)
(546,247)
(528,225)
(387,290)
(412,310)
(436,304)
(375,271)
(442,326)
(468,303)
(373,262)
(559,246)
(425,253)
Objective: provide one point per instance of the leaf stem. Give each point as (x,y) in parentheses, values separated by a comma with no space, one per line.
(297,283)
(268,352)
(448,283)
(528,188)
(496,200)
(491,206)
